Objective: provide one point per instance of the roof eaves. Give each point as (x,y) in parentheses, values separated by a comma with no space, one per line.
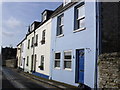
(62,8)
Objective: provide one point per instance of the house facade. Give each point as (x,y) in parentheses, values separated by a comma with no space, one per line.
(30,47)
(38,46)
(18,56)
(73,47)
(21,54)
(42,50)
(66,44)
(29,53)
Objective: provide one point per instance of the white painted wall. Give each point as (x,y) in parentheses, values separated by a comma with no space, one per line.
(43,49)
(29,52)
(23,53)
(18,55)
(72,41)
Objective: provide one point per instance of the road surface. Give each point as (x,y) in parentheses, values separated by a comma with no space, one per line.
(14,80)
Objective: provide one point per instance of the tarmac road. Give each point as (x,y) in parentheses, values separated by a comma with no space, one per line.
(13,80)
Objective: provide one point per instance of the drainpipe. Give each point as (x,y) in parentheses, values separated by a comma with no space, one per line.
(33,52)
(97,42)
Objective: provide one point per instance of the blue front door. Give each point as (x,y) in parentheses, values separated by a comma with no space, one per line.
(81,66)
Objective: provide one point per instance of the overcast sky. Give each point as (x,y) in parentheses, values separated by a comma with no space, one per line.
(16,16)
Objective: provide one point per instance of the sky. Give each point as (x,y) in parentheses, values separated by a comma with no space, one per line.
(17,16)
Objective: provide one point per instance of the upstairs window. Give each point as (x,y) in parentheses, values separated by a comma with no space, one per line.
(36,41)
(44,16)
(32,42)
(57,60)
(32,27)
(43,37)
(60,25)
(22,47)
(79,17)
(28,43)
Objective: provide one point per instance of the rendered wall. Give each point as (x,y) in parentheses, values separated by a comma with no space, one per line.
(43,49)
(85,39)
(29,52)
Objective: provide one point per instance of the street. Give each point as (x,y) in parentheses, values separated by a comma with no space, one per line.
(14,80)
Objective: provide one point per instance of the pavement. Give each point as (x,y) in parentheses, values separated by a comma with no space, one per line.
(20,79)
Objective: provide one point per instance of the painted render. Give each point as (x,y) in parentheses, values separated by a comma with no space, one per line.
(18,55)
(43,49)
(29,52)
(21,54)
(85,39)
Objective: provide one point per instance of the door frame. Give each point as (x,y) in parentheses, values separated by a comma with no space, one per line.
(77,64)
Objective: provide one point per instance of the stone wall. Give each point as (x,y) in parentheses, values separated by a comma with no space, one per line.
(109,70)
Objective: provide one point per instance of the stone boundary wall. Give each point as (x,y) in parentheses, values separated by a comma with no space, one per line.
(109,70)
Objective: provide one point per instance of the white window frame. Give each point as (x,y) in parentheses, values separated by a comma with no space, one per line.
(22,47)
(57,60)
(28,43)
(36,40)
(32,42)
(60,25)
(32,27)
(44,16)
(43,37)
(77,26)
(42,62)
(67,60)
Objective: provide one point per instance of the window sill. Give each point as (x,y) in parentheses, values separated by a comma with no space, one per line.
(57,68)
(78,30)
(68,69)
(61,35)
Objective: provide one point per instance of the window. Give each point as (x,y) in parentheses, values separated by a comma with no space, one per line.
(43,37)
(32,27)
(42,63)
(32,42)
(57,59)
(36,42)
(44,16)
(60,25)
(67,59)
(22,47)
(80,17)
(27,61)
(28,43)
